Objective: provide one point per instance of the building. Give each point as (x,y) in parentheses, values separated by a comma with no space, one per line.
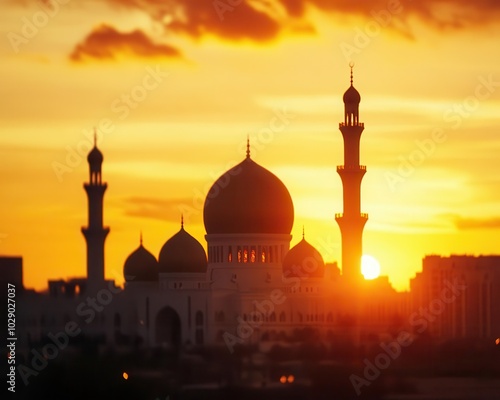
(460,293)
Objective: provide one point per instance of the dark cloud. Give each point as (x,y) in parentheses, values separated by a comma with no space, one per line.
(262,20)
(106,43)
(221,19)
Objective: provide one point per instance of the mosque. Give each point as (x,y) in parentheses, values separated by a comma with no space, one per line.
(251,287)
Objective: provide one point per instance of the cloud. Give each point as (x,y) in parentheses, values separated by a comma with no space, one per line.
(197,18)
(441,14)
(160,209)
(106,43)
(265,20)
(262,20)
(477,223)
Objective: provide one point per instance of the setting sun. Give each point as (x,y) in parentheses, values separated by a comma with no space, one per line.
(370,267)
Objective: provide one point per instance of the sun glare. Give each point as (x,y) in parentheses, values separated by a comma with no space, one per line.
(370,267)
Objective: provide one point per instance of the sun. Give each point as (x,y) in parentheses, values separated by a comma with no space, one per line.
(370,267)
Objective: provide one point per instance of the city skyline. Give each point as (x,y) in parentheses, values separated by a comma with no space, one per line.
(211,93)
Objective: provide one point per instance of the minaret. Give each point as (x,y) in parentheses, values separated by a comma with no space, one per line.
(95,233)
(352,221)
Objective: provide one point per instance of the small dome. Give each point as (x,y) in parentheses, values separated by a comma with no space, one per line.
(303,260)
(95,156)
(182,253)
(141,265)
(248,199)
(352,96)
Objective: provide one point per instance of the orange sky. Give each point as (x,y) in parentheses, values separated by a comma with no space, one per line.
(176,90)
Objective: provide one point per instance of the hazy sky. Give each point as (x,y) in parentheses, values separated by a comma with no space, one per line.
(176,86)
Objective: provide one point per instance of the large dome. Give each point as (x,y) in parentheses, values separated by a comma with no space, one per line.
(248,199)
(141,265)
(303,260)
(182,253)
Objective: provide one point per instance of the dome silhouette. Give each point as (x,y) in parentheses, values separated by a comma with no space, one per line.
(95,156)
(248,199)
(303,260)
(140,265)
(182,253)
(351,96)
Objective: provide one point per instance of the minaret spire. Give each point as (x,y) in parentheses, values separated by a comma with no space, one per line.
(182,221)
(95,232)
(351,221)
(248,146)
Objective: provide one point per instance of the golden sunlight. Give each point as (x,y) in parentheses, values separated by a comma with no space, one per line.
(370,267)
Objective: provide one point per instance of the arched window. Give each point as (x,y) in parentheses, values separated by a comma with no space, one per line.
(263,254)
(272,317)
(199,318)
(282,316)
(117,321)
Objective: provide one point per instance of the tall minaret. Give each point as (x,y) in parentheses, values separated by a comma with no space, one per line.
(352,221)
(95,233)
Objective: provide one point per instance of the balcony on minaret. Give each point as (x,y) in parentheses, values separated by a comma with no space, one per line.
(351,168)
(342,215)
(344,124)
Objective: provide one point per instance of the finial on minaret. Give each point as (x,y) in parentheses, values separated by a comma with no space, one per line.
(303,232)
(248,146)
(182,221)
(140,238)
(95,136)
(351,65)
